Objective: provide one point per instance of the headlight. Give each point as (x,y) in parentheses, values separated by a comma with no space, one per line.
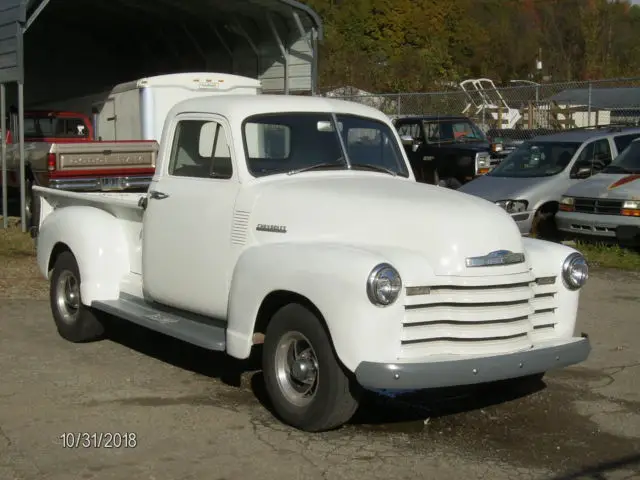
(483,160)
(513,206)
(383,285)
(631,208)
(567,204)
(575,271)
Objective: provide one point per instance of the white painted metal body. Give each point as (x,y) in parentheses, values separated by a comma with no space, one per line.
(199,250)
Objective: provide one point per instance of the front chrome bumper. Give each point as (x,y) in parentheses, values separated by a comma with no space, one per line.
(473,370)
(593,225)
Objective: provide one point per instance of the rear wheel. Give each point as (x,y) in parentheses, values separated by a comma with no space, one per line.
(306,383)
(75,321)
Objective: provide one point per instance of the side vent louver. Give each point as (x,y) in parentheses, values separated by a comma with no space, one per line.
(239,227)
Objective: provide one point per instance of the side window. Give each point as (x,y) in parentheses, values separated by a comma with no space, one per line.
(200,150)
(411,129)
(602,152)
(623,141)
(586,156)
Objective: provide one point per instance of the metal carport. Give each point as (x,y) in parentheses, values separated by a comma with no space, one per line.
(63,49)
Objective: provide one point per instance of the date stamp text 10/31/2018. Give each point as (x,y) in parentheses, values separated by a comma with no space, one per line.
(99,440)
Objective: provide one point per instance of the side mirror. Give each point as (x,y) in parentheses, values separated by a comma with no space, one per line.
(407,140)
(582,173)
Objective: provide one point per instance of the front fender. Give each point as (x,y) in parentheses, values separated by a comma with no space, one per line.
(331,276)
(96,239)
(546,260)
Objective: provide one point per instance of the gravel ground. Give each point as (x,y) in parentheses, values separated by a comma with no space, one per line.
(197,415)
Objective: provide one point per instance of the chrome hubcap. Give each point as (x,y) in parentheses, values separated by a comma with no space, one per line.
(68,296)
(297,368)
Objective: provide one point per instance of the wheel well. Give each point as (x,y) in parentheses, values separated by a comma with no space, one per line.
(58,248)
(275,301)
(549,207)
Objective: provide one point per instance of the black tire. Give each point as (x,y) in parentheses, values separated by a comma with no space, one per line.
(32,204)
(544,226)
(75,322)
(452,183)
(336,395)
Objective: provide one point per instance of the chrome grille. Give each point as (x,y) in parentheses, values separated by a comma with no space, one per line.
(598,205)
(467,318)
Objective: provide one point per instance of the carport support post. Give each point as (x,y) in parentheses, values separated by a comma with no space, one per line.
(3,127)
(283,51)
(23,185)
(589,107)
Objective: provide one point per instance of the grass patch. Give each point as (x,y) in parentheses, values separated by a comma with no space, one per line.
(14,243)
(609,256)
(20,278)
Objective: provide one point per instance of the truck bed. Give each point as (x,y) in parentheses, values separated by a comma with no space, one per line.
(119,204)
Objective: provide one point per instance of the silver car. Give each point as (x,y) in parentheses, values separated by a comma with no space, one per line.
(606,207)
(530,182)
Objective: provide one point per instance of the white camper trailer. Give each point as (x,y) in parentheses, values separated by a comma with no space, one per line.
(136,110)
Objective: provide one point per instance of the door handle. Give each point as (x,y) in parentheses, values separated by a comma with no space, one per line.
(157,195)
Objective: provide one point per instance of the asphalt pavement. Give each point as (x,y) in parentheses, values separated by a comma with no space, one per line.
(143,406)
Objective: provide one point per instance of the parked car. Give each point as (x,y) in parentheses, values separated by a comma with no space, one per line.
(530,182)
(63,151)
(606,207)
(506,140)
(445,150)
(306,240)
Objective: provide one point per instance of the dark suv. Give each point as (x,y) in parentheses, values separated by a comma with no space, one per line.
(445,150)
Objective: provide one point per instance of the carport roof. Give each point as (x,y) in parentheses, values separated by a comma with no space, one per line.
(623,98)
(31,8)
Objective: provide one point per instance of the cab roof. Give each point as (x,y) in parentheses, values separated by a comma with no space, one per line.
(241,106)
(582,135)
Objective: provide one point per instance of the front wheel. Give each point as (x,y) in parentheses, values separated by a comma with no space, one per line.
(75,322)
(544,226)
(308,387)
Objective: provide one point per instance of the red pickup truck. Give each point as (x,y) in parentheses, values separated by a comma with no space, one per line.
(61,152)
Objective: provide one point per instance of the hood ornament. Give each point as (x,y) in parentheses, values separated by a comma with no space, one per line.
(497,258)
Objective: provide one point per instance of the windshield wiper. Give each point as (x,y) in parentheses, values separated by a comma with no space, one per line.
(615,168)
(315,167)
(377,168)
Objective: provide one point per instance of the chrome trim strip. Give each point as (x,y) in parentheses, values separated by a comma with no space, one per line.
(497,258)
(94,183)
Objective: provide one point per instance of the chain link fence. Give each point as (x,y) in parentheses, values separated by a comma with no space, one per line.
(520,109)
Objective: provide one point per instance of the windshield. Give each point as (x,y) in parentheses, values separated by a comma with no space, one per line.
(536,159)
(453,131)
(287,142)
(627,162)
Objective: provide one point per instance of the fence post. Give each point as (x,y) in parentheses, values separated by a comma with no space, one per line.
(589,105)
(398,109)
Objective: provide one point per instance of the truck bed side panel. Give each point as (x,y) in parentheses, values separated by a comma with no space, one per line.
(101,231)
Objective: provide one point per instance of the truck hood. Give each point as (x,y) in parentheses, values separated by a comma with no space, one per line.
(383,214)
(607,185)
(501,188)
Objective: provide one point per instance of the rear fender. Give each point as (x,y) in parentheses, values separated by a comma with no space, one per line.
(96,239)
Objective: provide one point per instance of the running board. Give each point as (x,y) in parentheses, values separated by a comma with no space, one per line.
(190,328)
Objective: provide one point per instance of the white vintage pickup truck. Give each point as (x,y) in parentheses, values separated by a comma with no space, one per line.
(296,223)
